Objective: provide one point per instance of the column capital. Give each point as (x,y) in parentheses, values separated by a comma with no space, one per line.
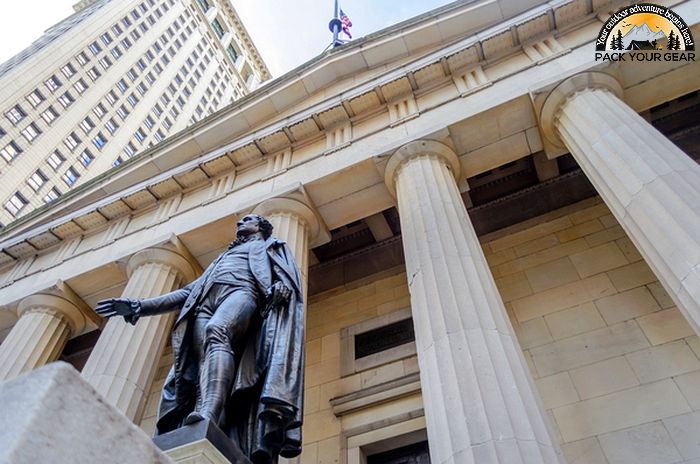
(64,304)
(181,262)
(561,92)
(416,149)
(296,207)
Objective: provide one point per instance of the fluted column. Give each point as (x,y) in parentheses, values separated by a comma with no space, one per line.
(649,184)
(45,324)
(480,402)
(122,365)
(295,223)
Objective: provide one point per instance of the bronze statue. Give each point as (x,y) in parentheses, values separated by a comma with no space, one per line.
(238,345)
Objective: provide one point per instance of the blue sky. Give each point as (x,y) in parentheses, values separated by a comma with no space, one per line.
(287,33)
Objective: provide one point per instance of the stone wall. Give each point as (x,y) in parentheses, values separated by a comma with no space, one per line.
(615,362)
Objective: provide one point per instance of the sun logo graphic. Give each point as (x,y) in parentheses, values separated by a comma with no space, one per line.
(645,27)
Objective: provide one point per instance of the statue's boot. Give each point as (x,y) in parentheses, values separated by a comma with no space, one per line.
(215,386)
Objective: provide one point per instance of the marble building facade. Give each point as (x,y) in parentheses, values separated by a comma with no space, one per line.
(532,213)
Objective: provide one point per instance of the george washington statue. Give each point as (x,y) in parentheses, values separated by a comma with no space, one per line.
(237,344)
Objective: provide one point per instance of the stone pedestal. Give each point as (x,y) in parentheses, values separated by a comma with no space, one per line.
(480,402)
(200,443)
(123,362)
(649,184)
(46,323)
(52,415)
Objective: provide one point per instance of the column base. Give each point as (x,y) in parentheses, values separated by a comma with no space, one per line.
(200,443)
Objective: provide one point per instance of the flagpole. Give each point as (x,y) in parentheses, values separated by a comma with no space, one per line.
(334,26)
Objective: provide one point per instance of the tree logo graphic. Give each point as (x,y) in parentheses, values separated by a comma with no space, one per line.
(645,27)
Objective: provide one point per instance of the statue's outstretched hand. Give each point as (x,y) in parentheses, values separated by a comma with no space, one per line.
(279,294)
(129,309)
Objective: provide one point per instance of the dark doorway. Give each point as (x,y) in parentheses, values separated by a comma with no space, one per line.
(411,454)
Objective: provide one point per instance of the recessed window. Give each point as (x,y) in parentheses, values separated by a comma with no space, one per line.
(66,99)
(126,43)
(93,74)
(232,53)
(116,53)
(15,114)
(95,48)
(37,180)
(87,125)
(157,110)
(142,89)
(148,122)
(35,98)
(82,58)
(68,70)
(122,85)
(117,29)
(99,141)
(86,157)
(135,35)
(80,86)
(111,126)
(132,99)
(31,132)
(122,112)
(49,115)
(140,135)
(131,74)
(218,28)
(99,110)
(111,97)
(159,135)
(71,141)
(117,161)
(71,176)
(52,195)
(126,21)
(16,203)
(105,62)
(144,27)
(10,151)
(106,38)
(55,160)
(52,83)
(130,150)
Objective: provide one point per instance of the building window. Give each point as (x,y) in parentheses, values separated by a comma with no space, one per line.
(86,157)
(122,112)
(140,135)
(181,102)
(106,38)
(10,151)
(132,99)
(52,83)
(70,176)
(95,48)
(31,132)
(142,88)
(130,150)
(15,114)
(143,26)
(218,28)
(35,98)
(159,135)
(68,70)
(126,21)
(111,97)
(150,79)
(72,141)
(117,29)
(131,74)
(99,110)
(16,203)
(135,35)
(232,53)
(117,161)
(93,74)
(166,123)
(105,62)
(111,126)
(80,86)
(149,122)
(82,58)
(99,141)
(66,99)
(37,180)
(49,115)
(116,53)
(122,85)
(55,160)
(126,43)
(204,5)
(87,125)
(52,195)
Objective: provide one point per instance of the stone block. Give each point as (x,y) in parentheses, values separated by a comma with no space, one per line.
(604,377)
(540,230)
(660,295)
(557,390)
(584,452)
(684,433)
(513,286)
(589,213)
(608,220)
(626,305)
(690,387)
(53,415)
(536,245)
(694,344)
(588,348)
(598,259)
(620,410)
(541,257)
(645,444)
(665,326)
(579,230)
(663,361)
(605,236)
(503,256)
(552,274)
(200,443)
(566,296)
(629,249)
(577,320)
(631,276)
(532,333)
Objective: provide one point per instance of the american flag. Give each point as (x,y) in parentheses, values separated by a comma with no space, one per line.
(347,24)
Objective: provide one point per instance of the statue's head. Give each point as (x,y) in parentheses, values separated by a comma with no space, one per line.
(251,224)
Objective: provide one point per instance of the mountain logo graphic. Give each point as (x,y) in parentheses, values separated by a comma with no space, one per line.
(645,26)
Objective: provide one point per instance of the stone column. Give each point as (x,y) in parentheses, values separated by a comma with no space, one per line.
(479,399)
(649,184)
(45,324)
(123,363)
(295,223)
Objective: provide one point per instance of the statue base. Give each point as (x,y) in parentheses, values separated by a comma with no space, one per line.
(202,442)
